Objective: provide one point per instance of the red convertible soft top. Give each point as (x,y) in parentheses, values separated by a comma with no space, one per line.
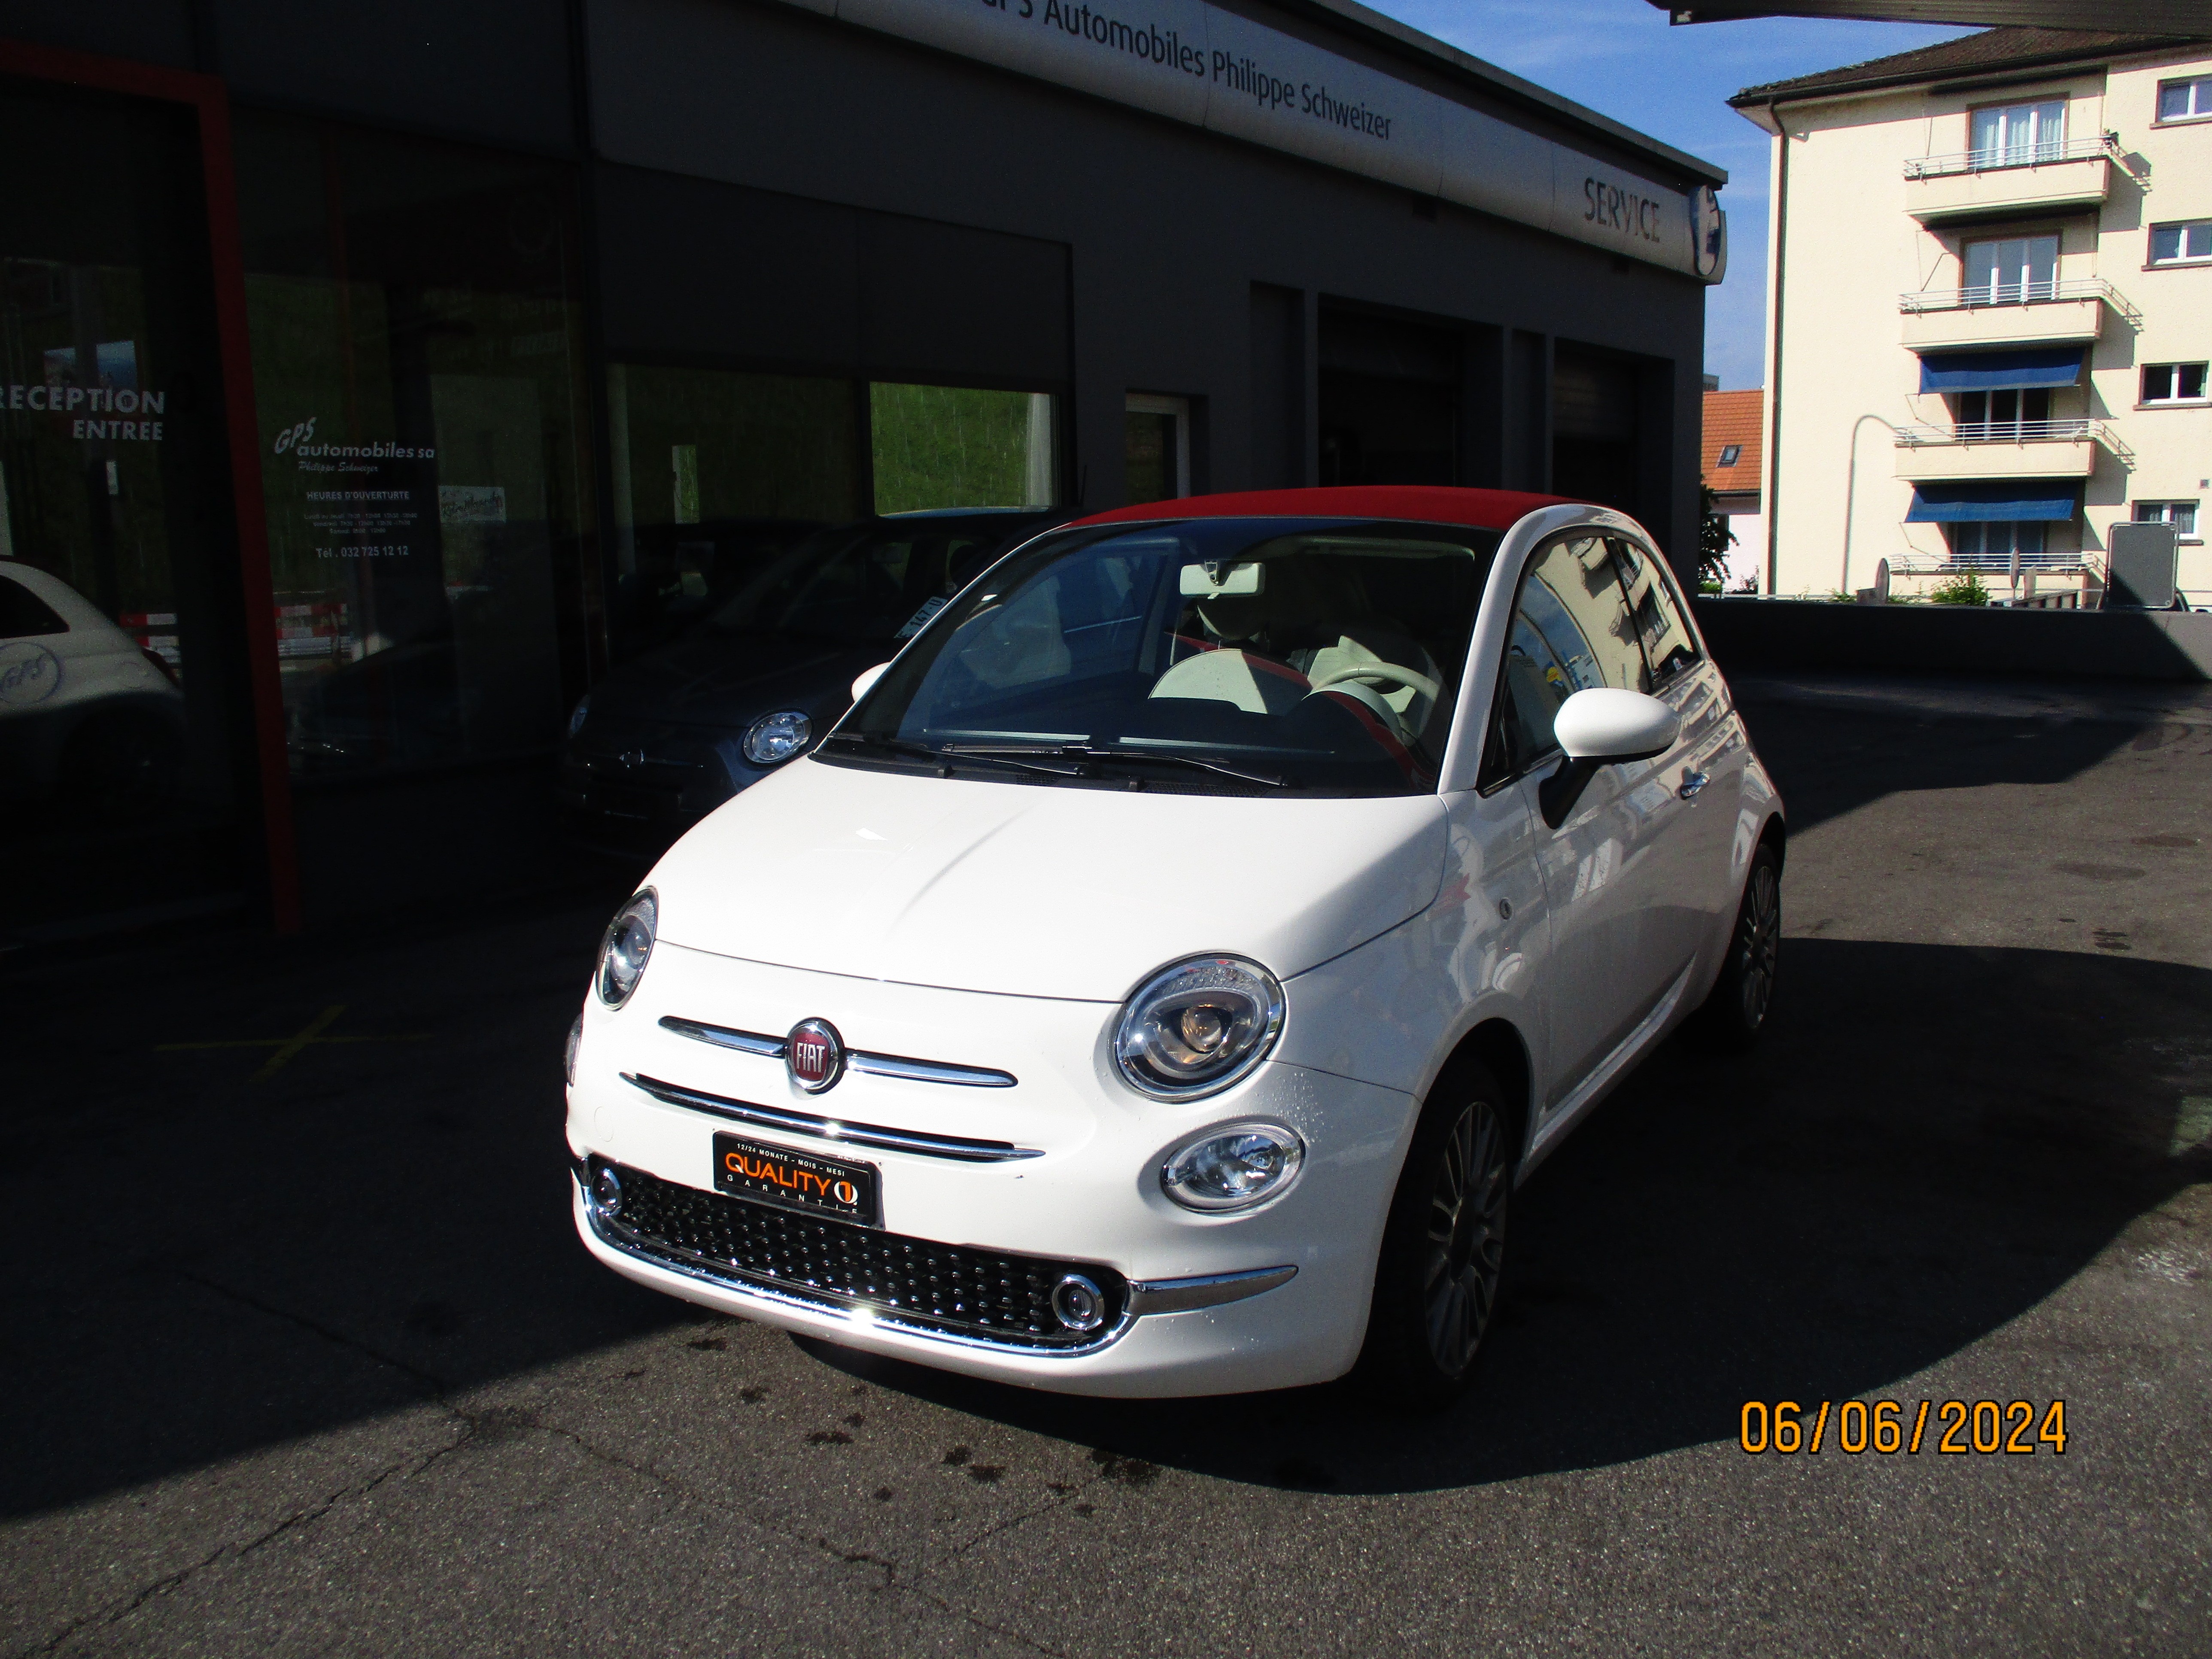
(1484,509)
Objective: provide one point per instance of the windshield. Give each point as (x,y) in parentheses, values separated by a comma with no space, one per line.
(1311,655)
(864,584)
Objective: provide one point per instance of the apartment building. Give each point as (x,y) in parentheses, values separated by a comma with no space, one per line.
(1990,313)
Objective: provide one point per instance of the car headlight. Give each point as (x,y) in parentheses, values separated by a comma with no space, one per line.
(1233,1167)
(774,739)
(1195,1027)
(583,708)
(623,953)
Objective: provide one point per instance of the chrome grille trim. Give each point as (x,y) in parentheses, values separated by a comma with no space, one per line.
(860,1060)
(958,1147)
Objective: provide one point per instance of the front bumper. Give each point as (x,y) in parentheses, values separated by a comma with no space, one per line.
(1200,1303)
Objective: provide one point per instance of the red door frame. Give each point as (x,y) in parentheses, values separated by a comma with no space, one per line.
(210,101)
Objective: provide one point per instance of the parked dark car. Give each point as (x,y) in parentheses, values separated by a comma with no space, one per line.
(670,736)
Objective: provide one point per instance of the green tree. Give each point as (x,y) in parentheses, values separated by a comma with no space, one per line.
(1714,540)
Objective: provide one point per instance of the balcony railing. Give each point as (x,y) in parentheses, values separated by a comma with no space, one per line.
(2015,431)
(2017,294)
(2017,155)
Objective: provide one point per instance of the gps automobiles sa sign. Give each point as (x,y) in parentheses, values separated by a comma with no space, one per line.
(29,673)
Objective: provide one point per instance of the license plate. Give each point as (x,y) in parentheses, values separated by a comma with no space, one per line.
(795,1181)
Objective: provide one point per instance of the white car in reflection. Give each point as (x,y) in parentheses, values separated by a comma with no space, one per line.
(1160,980)
(86,712)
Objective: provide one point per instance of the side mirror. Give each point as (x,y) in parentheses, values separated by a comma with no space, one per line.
(1600,727)
(867,679)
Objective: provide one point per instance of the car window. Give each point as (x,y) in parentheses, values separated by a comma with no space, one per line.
(1571,631)
(1321,655)
(1667,641)
(23,613)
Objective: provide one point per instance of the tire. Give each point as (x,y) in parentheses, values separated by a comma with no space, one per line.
(1443,1249)
(1734,1013)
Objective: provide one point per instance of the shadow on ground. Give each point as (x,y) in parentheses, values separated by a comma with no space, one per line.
(197,1265)
(1891,1177)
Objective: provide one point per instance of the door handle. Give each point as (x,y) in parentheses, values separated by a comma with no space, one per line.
(1693,782)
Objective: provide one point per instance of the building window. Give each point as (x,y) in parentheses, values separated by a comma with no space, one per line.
(2174,383)
(2011,413)
(2185,101)
(2012,271)
(1156,438)
(2182,515)
(2016,135)
(1730,454)
(1996,546)
(2178,244)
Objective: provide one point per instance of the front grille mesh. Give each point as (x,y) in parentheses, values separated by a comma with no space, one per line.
(982,1293)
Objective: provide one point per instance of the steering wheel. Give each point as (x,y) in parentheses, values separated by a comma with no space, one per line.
(1379,670)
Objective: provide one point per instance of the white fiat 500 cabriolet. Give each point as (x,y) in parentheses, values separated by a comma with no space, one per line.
(1159,981)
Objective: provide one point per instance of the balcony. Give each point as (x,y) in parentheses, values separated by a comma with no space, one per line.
(2004,449)
(1975,182)
(2011,313)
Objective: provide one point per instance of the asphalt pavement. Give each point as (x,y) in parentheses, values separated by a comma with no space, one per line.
(300,1356)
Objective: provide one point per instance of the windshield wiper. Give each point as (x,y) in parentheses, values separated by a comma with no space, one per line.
(943,757)
(1101,752)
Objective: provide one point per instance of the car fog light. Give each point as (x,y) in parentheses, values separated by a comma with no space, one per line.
(624,951)
(1195,1027)
(774,739)
(575,1041)
(606,1191)
(1233,1167)
(1080,1304)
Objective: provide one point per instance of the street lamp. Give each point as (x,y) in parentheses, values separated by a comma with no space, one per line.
(1851,493)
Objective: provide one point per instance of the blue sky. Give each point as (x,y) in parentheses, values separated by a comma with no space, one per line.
(1622,58)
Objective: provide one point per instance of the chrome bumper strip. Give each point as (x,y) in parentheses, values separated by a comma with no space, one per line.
(1161,1296)
(860,1060)
(958,1147)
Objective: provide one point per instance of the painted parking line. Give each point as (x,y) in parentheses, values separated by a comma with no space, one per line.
(314,1033)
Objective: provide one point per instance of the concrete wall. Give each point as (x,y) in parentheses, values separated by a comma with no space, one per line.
(1780,635)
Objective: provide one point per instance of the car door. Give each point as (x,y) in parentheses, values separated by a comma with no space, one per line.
(1611,957)
(1692,823)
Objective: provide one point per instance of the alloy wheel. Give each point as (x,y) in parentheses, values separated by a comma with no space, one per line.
(1760,943)
(1465,1237)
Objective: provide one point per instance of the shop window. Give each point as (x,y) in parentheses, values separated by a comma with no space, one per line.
(2174,383)
(2183,243)
(417,353)
(1156,451)
(2001,546)
(2011,271)
(124,752)
(2185,101)
(942,446)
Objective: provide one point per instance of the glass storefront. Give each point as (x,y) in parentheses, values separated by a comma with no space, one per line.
(419,346)
(122,712)
(717,473)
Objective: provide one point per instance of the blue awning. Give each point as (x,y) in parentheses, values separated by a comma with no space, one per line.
(2001,371)
(2027,502)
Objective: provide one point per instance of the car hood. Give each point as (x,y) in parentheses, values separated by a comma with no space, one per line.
(725,679)
(1039,889)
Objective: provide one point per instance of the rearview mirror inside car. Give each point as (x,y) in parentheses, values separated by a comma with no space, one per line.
(1600,727)
(1221,578)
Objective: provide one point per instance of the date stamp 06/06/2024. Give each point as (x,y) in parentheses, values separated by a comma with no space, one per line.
(2017,1428)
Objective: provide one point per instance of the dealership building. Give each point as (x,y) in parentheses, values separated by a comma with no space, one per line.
(381,375)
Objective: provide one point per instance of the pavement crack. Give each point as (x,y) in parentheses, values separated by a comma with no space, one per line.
(435,1387)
